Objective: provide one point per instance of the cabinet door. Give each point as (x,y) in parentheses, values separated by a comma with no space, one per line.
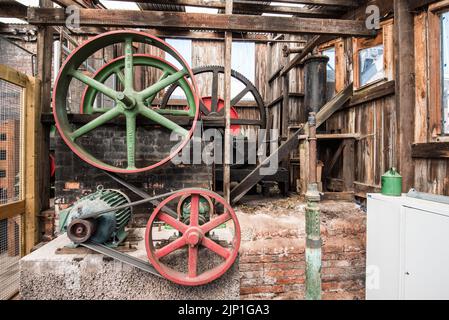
(382,250)
(426,254)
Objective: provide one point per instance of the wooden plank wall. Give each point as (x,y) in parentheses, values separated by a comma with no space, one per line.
(431,175)
(374,121)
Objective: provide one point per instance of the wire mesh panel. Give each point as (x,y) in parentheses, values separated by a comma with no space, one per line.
(10,243)
(11,143)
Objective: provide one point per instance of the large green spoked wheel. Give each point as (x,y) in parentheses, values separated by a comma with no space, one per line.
(128,103)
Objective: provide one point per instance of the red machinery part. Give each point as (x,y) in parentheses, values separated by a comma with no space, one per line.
(52,165)
(193,236)
(235,128)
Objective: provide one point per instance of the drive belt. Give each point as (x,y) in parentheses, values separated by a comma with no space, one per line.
(122,257)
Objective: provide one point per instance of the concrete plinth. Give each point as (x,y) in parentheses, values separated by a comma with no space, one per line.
(47,275)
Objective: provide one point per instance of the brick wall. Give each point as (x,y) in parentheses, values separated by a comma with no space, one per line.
(272,260)
(17,58)
(75,178)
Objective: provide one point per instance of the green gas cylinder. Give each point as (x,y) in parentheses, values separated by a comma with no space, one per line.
(392,183)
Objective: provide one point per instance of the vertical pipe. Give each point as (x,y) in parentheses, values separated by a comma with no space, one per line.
(315,75)
(315,98)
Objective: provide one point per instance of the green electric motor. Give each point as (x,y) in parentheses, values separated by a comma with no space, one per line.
(108,229)
(392,183)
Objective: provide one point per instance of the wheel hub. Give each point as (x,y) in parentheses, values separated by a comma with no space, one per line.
(193,236)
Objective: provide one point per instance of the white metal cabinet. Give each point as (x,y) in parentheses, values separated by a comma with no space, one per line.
(407,249)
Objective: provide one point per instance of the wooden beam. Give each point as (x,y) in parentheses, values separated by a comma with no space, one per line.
(405,90)
(36,159)
(227,109)
(315,41)
(416,4)
(373,93)
(44,86)
(433,150)
(349,165)
(202,21)
(12,210)
(13,9)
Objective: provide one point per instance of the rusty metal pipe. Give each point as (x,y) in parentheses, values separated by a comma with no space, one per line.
(312,148)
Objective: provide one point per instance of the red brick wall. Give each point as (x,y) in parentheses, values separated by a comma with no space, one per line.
(272,260)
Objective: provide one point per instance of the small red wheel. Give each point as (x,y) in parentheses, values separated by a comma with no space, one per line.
(194,241)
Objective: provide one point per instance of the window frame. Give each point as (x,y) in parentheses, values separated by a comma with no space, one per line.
(443,132)
(360,44)
(436,126)
(327,48)
(340,65)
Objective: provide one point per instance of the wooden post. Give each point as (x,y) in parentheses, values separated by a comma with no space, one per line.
(405,89)
(44,65)
(33,142)
(349,164)
(227,98)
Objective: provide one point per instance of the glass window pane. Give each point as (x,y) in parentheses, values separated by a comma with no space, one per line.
(330,72)
(184,48)
(371,65)
(243,61)
(445,71)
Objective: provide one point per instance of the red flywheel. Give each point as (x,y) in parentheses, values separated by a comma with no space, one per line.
(196,250)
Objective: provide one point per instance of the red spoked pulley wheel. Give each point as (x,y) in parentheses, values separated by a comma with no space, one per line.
(196,253)
(130,103)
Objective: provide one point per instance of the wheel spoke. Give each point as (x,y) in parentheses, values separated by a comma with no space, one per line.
(111,93)
(158,86)
(129,74)
(215,222)
(193,261)
(163,121)
(194,213)
(214,103)
(120,76)
(169,248)
(174,223)
(131,140)
(105,117)
(150,99)
(240,96)
(211,245)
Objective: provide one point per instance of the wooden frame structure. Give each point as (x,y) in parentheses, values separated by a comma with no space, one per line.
(29,205)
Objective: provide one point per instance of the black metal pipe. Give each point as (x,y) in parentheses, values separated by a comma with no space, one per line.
(315,74)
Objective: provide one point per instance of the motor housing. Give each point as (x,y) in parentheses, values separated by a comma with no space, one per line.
(108,228)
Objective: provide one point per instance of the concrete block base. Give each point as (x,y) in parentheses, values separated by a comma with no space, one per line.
(47,275)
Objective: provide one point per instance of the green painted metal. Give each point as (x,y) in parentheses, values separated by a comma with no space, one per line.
(110,227)
(313,244)
(392,183)
(204,210)
(116,68)
(129,103)
(138,102)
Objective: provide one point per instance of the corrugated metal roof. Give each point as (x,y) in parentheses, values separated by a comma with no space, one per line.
(162,7)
